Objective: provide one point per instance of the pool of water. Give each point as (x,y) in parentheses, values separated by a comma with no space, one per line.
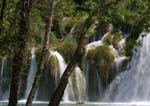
(41,103)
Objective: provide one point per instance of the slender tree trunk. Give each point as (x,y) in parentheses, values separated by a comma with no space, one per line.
(57,95)
(43,55)
(3,6)
(18,60)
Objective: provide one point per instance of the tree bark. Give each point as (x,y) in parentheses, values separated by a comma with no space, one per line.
(57,95)
(43,54)
(3,6)
(18,60)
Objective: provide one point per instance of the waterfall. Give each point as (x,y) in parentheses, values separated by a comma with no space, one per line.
(98,90)
(134,83)
(76,86)
(72,30)
(32,72)
(1,75)
(96,84)
(71,34)
(2,69)
(79,85)
(119,61)
(93,45)
(122,43)
(62,66)
(87,78)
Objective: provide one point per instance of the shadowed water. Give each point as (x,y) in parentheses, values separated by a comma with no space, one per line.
(32,71)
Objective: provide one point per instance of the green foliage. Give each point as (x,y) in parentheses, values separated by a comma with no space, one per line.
(132,14)
(129,46)
(129,12)
(125,13)
(116,39)
(67,49)
(8,34)
(69,22)
(37,28)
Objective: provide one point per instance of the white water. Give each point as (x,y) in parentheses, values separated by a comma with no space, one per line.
(2,68)
(80,84)
(32,72)
(134,83)
(93,45)
(71,93)
(100,89)
(1,76)
(72,30)
(119,59)
(122,43)
(62,66)
(130,86)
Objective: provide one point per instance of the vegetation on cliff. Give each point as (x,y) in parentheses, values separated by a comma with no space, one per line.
(68,27)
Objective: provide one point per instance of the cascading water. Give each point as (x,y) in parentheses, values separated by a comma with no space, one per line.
(119,61)
(79,85)
(62,66)
(93,85)
(76,86)
(122,43)
(32,71)
(97,91)
(2,69)
(134,83)
(93,45)
(72,30)
(79,82)
(1,75)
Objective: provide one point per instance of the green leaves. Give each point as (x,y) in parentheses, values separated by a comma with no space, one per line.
(128,13)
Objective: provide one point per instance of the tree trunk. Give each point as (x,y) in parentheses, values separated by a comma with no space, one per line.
(57,95)
(3,6)
(43,55)
(18,60)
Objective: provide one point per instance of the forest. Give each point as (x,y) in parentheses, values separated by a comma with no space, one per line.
(74,52)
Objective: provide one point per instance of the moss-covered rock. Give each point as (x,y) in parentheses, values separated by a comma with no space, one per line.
(108,38)
(103,58)
(53,65)
(116,39)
